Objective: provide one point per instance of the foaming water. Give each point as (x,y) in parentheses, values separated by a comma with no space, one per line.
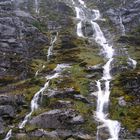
(9,135)
(101,40)
(108,51)
(134,62)
(79,29)
(36,7)
(80,16)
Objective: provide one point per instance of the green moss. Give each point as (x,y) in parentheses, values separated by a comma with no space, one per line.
(128,115)
(86,111)
(40,25)
(30,128)
(8,79)
(37,65)
(83,108)
(90,56)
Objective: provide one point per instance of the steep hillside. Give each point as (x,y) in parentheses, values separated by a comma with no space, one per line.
(69,71)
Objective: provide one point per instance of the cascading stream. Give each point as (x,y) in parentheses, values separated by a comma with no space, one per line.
(108,51)
(36,7)
(34,105)
(9,134)
(37,96)
(134,62)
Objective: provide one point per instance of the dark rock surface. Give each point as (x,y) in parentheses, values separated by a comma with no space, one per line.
(55,119)
(66,107)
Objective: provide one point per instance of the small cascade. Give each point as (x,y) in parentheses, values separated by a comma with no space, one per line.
(36,7)
(81,17)
(9,134)
(133,62)
(79,29)
(38,95)
(101,40)
(53,40)
(122,26)
(34,104)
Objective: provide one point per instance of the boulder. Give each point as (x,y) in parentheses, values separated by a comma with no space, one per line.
(57,119)
(1,126)
(12,100)
(7,111)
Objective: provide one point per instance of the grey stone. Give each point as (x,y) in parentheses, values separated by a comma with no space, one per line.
(57,119)
(7,111)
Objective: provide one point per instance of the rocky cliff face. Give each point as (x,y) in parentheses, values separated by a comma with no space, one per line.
(28,29)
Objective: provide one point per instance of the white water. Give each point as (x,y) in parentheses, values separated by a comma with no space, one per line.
(82,3)
(34,104)
(134,62)
(9,134)
(108,51)
(36,7)
(53,40)
(122,26)
(100,39)
(79,29)
(80,16)
(34,101)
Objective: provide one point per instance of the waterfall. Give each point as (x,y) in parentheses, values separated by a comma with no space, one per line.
(53,40)
(108,51)
(103,95)
(8,136)
(34,102)
(133,62)
(36,7)
(122,25)
(101,40)
(81,17)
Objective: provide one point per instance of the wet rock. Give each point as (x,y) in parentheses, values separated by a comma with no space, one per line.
(83,136)
(69,93)
(61,104)
(7,111)
(87,30)
(77,120)
(7,30)
(1,126)
(41,132)
(62,94)
(81,98)
(138,132)
(12,100)
(61,134)
(96,68)
(57,119)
